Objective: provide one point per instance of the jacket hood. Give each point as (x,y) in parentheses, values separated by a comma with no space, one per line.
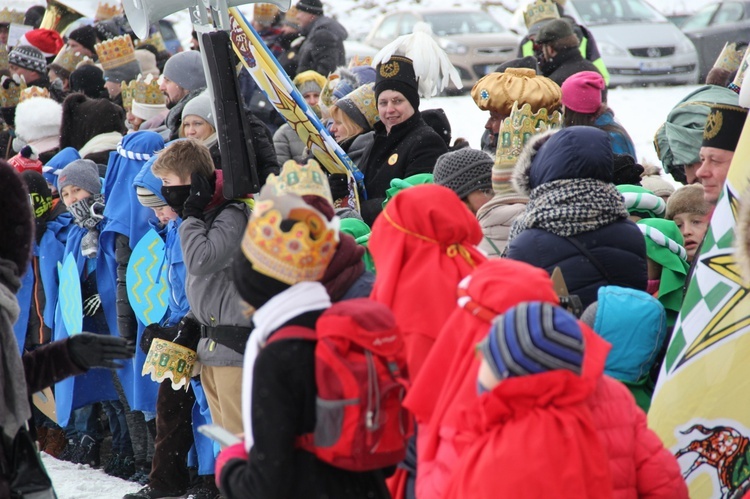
(635,344)
(58,162)
(520,177)
(578,152)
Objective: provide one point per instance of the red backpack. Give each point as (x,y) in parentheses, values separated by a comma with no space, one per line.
(360,373)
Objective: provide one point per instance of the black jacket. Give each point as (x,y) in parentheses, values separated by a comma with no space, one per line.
(566,63)
(284,408)
(412,147)
(323,48)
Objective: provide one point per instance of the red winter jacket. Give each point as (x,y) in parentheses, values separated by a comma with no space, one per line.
(513,446)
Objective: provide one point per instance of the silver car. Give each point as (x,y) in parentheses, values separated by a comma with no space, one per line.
(474,41)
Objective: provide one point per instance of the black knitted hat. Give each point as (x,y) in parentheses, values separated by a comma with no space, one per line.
(314,7)
(86,36)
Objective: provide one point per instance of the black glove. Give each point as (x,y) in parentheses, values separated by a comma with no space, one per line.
(153,332)
(339,183)
(89,350)
(201,191)
(188,333)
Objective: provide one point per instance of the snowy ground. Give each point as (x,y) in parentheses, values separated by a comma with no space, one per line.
(641,111)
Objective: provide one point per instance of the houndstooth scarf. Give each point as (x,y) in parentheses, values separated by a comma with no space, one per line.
(570,207)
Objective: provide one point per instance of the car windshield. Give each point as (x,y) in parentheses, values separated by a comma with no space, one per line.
(462,23)
(595,12)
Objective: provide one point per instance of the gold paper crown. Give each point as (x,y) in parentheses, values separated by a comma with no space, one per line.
(301,253)
(8,16)
(742,68)
(167,360)
(67,59)
(155,39)
(115,52)
(147,91)
(106,11)
(730,58)
(4,57)
(519,127)
(265,13)
(540,10)
(301,180)
(31,92)
(9,96)
(127,89)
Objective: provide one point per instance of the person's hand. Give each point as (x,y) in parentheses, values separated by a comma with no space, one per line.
(236,451)
(339,183)
(89,350)
(201,192)
(153,332)
(188,333)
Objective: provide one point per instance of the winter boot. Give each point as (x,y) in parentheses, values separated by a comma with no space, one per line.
(89,452)
(204,489)
(125,467)
(112,463)
(55,443)
(70,451)
(149,492)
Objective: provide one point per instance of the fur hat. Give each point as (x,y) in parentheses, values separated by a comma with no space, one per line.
(28,57)
(687,199)
(464,171)
(186,70)
(38,118)
(397,74)
(533,338)
(16,219)
(81,173)
(626,170)
(314,7)
(84,118)
(86,36)
(361,107)
(498,91)
(654,182)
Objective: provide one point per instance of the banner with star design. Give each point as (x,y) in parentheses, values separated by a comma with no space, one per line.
(701,406)
(288,101)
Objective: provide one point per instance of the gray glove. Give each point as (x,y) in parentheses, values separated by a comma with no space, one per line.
(89,350)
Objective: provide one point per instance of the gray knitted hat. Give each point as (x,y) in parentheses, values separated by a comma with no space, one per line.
(186,70)
(127,72)
(464,171)
(28,57)
(82,173)
(200,106)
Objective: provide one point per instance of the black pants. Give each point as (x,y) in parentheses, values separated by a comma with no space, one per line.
(174,437)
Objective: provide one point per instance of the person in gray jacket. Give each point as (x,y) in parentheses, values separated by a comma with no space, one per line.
(216,327)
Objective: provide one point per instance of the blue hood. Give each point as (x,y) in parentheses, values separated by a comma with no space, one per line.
(635,343)
(574,152)
(147,180)
(58,162)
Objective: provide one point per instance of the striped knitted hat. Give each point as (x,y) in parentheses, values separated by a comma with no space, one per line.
(642,202)
(532,338)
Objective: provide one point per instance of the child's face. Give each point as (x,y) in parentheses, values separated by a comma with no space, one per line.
(693,227)
(72,194)
(172,180)
(165,214)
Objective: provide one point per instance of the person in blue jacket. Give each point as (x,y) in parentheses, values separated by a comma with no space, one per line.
(576,219)
(178,412)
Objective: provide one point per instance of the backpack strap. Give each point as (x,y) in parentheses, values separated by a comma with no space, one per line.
(293,333)
(591,258)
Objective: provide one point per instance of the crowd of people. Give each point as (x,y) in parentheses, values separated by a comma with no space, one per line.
(466,332)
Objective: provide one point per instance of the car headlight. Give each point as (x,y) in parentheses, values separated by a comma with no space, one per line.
(611,49)
(685,46)
(452,47)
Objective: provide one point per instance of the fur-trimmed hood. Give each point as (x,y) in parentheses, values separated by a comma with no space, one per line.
(38,118)
(575,152)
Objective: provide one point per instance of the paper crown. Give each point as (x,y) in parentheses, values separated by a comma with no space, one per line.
(155,39)
(4,57)
(540,10)
(115,52)
(519,127)
(31,92)
(167,360)
(127,89)
(300,253)
(265,13)
(302,180)
(8,16)
(356,61)
(730,58)
(10,90)
(107,11)
(68,59)
(737,83)
(147,91)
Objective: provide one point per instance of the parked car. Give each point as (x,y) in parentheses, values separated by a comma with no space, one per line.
(714,25)
(474,41)
(638,44)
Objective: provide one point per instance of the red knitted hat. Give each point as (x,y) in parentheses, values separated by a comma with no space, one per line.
(48,41)
(582,92)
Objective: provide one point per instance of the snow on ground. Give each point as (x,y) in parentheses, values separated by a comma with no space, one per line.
(78,481)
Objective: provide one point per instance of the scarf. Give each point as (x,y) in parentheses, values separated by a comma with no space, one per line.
(88,212)
(14,407)
(569,207)
(102,142)
(298,299)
